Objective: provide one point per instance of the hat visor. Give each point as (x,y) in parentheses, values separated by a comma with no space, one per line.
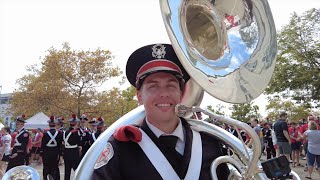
(21,121)
(144,76)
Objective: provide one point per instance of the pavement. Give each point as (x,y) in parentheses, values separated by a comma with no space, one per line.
(299,170)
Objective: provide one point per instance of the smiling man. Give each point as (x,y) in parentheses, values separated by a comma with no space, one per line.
(163,146)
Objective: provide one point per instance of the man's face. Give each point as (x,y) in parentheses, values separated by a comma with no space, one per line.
(82,122)
(159,94)
(253,123)
(93,127)
(285,117)
(19,125)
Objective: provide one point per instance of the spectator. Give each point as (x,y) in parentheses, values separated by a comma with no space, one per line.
(305,141)
(5,149)
(295,138)
(313,136)
(37,146)
(257,129)
(283,139)
(274,141)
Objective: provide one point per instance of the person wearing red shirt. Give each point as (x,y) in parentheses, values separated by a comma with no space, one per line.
(295,138)
(37,145)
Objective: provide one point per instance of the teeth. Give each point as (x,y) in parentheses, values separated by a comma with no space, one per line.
(163,105)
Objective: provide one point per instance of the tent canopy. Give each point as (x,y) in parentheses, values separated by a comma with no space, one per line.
(39,120)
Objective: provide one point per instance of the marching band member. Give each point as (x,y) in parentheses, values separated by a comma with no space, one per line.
(60,123)
(19,150)
(85,136)
(72,150)
(59,127)
(51,142)
(92,125)
(164,146)
(95,135)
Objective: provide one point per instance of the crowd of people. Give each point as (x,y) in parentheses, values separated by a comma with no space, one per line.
(294,140)
(61,143)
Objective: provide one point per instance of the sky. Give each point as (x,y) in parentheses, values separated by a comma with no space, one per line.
(29,28)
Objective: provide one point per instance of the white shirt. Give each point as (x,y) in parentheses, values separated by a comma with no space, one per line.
(179,132)
(6,139)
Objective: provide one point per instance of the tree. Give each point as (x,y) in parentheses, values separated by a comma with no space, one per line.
(295,112)
(297,71)
(114,103)
(2,120)
(243,112)
(65,83)
(217,110)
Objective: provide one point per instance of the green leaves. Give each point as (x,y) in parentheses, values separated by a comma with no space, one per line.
(298,62)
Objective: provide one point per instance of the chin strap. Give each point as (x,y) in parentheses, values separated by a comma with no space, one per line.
(128,133)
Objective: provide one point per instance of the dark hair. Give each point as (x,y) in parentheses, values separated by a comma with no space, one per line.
(7,129)
(256,120)
(282,114)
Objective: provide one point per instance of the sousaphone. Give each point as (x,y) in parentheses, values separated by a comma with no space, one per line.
(228,47)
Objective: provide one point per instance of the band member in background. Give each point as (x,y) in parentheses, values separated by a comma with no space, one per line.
(51,142)
(72,150)
(5,148)
(92,125)
(164,146)
(85,136)
(95,135)
(19,150)
(60,124)
(60,128)
(29,148)
(267,135)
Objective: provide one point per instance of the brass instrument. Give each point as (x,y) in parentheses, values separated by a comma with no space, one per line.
(228,47)
(21,173)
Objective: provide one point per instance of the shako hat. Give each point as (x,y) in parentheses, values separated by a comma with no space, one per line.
(21,118)
(73,119)
(60,120)
(154,58)
(52,120)
(93,121)
(83,117)
(100,122)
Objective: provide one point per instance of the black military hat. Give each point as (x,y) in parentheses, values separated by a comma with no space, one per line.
(21,118)
(73,119)
(93,121)
(52,120)
(60,120)
(154,58)
(84,117)
(100,122)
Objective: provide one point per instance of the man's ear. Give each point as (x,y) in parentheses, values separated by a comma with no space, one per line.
(139,97)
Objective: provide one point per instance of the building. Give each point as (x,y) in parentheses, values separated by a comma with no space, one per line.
(4,108)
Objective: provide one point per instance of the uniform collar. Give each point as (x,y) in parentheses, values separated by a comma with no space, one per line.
(177,132)
(22,129)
